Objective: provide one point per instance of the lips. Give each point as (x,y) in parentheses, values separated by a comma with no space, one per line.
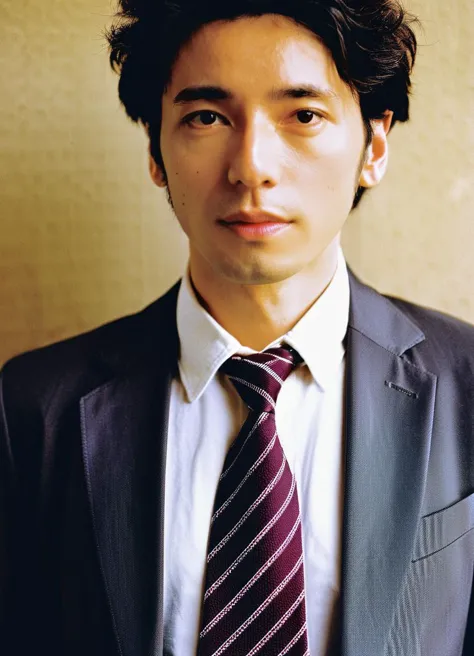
(254,217)
(255,226)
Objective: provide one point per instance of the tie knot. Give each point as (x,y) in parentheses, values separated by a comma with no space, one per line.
(258,378)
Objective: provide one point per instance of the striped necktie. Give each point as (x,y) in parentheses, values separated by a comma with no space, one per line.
(254,591)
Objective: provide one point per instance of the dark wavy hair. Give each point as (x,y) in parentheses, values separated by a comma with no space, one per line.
(371,42)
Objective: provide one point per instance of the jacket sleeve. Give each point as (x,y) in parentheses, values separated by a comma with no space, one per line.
(468,648)
(7,513)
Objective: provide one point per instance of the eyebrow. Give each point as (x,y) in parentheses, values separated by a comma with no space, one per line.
(213,93)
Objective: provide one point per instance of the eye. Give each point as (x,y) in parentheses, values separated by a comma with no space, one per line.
(207,117)
(305,116)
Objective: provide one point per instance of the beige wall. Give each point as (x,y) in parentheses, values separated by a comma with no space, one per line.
(85,236)
(414,235)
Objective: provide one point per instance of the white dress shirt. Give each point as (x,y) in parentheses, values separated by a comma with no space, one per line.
(206,414)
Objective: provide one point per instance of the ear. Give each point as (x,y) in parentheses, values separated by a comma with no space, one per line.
(377,152)
(156,172)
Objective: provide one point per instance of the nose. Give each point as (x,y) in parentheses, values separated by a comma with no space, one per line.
(254,160)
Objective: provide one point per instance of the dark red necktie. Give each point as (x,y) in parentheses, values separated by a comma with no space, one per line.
(254,592)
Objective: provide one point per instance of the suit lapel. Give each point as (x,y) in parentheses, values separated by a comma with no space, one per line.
(389,414)
(124,429)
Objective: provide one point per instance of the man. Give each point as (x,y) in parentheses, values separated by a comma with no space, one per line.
(272,458)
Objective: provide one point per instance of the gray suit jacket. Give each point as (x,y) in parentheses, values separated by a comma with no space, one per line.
(83,427)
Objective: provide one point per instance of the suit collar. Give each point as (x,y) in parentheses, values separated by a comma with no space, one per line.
(381,321)
(141,341)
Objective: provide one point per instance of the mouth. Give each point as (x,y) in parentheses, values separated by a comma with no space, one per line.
(254,231)
(256,224)
(254,216)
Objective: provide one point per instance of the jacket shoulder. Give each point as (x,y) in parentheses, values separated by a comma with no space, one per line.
(82,362)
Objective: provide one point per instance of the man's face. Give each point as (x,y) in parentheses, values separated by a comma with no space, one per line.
(297,157)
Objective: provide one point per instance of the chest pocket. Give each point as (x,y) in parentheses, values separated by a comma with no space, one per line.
(440,529)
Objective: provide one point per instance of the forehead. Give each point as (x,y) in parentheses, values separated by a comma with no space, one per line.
(252,54)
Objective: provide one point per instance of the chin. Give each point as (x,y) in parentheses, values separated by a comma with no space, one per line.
(257,273)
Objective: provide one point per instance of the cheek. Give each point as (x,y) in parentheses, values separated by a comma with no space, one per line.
(324,182)
(334,177)
(339,154)
(325,188)
(192,170)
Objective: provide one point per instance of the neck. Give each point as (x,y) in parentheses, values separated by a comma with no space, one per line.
(256,315)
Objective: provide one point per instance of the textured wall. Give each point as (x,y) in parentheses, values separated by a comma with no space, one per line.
(414,235)
(86,237)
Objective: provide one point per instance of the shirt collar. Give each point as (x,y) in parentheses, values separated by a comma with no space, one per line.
(318,336)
